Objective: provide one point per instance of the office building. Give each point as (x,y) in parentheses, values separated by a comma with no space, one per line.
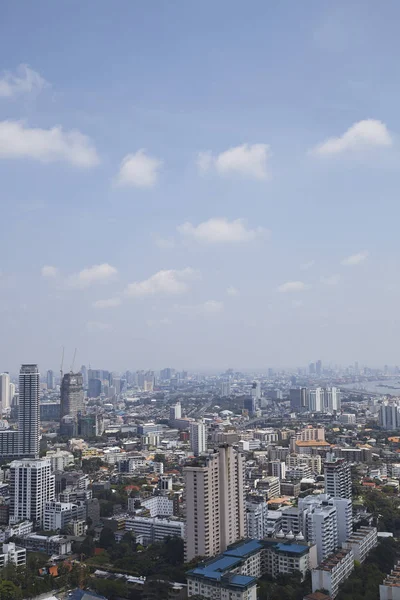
(31,486)
(94,387)
(225,389)
(154,529)
(198,437)
(298,400)
(338,478)
(28,412)
(332,401)
(318,368)
(50,379)
(315,400)
(71,395)
(58,514)
(278,469)
(5,402)
(215,505)
(85,378)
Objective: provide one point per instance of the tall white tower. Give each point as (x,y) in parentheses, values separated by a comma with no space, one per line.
(5,391)
(31,485)
(28,412)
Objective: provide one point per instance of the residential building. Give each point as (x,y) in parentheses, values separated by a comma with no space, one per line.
(298,400)
(338,478)
(335,569)
(11,553)
(58,514)
(158,506)
(215,506)
(390,588)
(257,517)
(198,438)
(60,459)
(389,415)
(278,469)
(361,542)
(348,419)
(28,412)
(32,484)
(175,412)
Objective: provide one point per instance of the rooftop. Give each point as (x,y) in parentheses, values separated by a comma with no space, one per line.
(333,560)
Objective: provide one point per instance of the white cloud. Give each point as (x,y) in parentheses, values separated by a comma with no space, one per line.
(168,282)
(220,230)
(95,326)
(209,307)
(364,134)
(138,170)
(48,271)
(247,160)
(24,81)
(46,145)
(330,280)
(293,286)
(354,259)
(307,265)
(97,274)
(232,291)
(165,243)
(108,303)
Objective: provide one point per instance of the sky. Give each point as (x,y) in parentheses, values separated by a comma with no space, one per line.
(199,184)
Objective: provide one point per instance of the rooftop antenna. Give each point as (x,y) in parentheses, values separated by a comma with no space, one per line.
(62,363)
(73,362)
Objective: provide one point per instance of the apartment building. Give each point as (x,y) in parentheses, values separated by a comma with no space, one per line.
(361,542)
(332,572)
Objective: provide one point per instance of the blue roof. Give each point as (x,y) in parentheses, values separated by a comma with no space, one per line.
(243,549)
(241,580)
(295,548)
(215,568)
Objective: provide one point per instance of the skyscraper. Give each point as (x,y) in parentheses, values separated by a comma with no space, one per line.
(31,485)
(298,399)
(215,504)
(198,439)
(84,375)
(318,367)
(175,412)
(338,478)
(71,395)
(50,379)
(28,412)
(4,392)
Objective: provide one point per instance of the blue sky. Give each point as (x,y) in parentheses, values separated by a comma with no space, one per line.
(199,185)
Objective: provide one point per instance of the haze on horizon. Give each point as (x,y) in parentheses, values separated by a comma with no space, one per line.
(199,186)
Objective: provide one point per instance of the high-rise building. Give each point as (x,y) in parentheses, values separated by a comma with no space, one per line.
(338,478)
(225,389)
(215,504)
(315,400)
(71,395)
(278,469)
(311,369)
(175,412)
(4,392)
(166,374)
(298,399)
(12,393)
(32,484)
(318,367)
(50,379)
(94,389)
(331,399)
(28,412)
(84,376)
(198,437)
(257,517)
(389,415)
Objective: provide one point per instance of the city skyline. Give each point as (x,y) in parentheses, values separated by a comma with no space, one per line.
(181,188)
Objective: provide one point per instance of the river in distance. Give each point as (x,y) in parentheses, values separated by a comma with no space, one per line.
(387,386)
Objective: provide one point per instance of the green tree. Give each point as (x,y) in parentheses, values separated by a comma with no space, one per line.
(107,538)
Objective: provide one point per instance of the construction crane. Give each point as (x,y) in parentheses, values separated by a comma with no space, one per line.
(62,364)
(73,362)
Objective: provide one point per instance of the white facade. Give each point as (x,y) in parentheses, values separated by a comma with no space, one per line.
(278,469)
(389,415)
(361,542)
(155,529)
(257,519)
(60,459)
(32,484)
(390,588)
(338,478)
(313,461)
(332,572)
(12,554)
(158,506)
(4,392)
(215,505)
(175,412)
(198,438)
(58,514)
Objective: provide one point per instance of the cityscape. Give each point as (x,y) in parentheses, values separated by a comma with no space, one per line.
(172,484)
(199,305)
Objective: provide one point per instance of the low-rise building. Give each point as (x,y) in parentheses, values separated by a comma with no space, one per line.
(53,544)
(12,554)
(362,542)
(154,529)
(332,572)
